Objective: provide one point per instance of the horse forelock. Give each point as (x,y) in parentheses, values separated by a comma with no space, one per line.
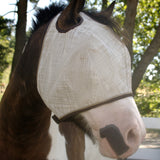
(45,15)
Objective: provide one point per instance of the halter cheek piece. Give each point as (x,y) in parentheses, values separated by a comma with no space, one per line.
(66,118)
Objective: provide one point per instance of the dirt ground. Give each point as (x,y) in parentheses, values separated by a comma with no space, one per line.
(152,139)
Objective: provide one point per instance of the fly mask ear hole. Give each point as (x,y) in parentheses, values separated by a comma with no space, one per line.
(70,17)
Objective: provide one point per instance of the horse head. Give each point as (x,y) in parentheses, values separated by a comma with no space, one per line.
(85,71)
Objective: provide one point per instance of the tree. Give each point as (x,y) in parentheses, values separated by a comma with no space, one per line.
(20,29)
(147,32)
(6,44)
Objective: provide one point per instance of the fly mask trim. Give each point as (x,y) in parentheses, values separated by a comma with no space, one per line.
(70,17)
(85,67)
(57,120)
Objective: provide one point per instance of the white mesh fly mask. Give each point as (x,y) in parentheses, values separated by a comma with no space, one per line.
(82,68)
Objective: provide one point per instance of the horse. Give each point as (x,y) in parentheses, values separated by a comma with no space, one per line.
(76,67)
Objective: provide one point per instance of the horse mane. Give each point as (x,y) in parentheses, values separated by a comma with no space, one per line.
(43,16)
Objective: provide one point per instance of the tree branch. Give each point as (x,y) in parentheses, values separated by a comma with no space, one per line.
(9,13)
(146,59)
(129,22)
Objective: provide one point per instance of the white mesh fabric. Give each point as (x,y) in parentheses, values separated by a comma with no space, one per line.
(83,67)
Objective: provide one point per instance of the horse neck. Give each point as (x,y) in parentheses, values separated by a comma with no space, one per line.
(24,126)
(24,118)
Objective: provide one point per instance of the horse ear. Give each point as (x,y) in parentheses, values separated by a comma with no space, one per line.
(70,17)
(109,10)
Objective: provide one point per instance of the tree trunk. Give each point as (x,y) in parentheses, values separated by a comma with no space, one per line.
(20,31)
(129,23)
(146,59)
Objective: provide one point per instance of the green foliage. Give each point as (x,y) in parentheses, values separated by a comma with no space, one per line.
(147,20)
(148,93)
(148,98)
(153,72)
(119,14)
(6,44)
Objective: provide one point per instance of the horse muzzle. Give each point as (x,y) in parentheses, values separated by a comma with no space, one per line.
(118,128)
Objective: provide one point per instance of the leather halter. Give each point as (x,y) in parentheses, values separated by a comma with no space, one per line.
(65,118)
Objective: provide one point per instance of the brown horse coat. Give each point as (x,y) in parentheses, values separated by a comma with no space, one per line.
(24,118)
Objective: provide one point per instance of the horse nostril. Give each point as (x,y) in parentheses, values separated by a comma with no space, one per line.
(131,137)
(115,139)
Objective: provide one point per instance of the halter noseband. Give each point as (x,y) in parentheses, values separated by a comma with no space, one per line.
(66,117)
